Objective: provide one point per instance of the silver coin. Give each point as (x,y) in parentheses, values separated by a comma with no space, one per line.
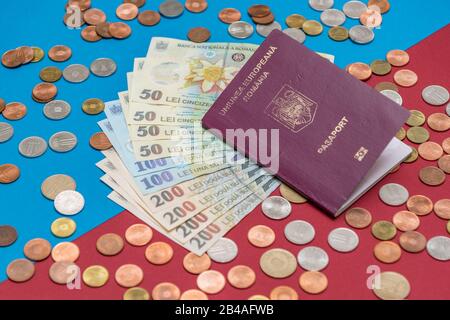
(265,29)
(435,95)
(332,17)
(299,232)
(393,194)
(276,207)
(312,258)
(393,95)
(69,202)
(354,9)
(223,251)
(76,73)
(447,109)
(343,239)
(57,109)
(103,67)
(439,248)
(321,5)
(6,131)
(295,34)
(240,29)
(361,34)
(32,147)
(171,9)
(63,141)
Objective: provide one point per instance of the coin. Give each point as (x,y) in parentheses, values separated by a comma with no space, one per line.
(386,86)
(265,30)
(6,131)
(406,220)
(393,95)
(261,236)
(439,248)
(393,286)
(193,294)
(321,5)
(448,226)
(430,151)
(420,205)
(60,53)
(258,297)
(75,73)
(171,9)
(276,207)
(127,11)
(383,230)
(343,239)
(83,5)
(295,21)
(264,20)
(416,118)
(380,67)
(8,235)
(129,275)
(397,58)
(412,241)
(69,202)
(136,294)
(358,218)
(37,249)
(14,111)
(196,264)
(361,34)
(383,5)
(44,92)
(94,16)
(313,282)
(442,208)
(295,34)
(149,18)
(332,17)
(63,141)
(223,250)
(417,134)
(435,95)
(444,163)
(20,270)
(9,173)
(93,106)
(50,74)
(63,227)
(299,232)
(102,29)
(387,252)
(401,134)
(38,54)
(159,253)
(119,30)
(393,194)
(354,9)
(64,272)
(447,109)
(211,281)
(110,244)
(100,141)
(55,184)
(241,277)
(259,11)
(138,234)
(446,145)
(338,33)
(432,176)
(360,71)
(405,78)
(32,147)
(73,19)
(240,29)
(278,263)
(312,27)
(291,195)
(196,6)
(2,105)
(95,276)
(166,291)
(199,34)
(312,258)
(57,109)
(90,34)
(65,251)
(283,293)
(371,18)
(138,3)
(439,122)
(103,67)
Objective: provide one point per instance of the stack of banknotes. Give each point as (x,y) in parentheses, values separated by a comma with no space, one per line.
(164,167)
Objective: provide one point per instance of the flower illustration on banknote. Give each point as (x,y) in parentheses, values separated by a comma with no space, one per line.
(211,77)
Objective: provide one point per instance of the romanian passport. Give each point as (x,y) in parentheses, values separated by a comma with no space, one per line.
(324,133)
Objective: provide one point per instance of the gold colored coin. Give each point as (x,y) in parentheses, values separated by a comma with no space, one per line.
(401,134)
(417,134)
(258,297)
(95,276)
(38,54)
(384,230)
(338,33)
(416,118)
(413,156)
(385,85)
(291,195)
(393,286)
(448,226)
(312,27)
(278,263)
(63,227)
(136,294)
(56,184)
(93,106)
(380,67)
(432,176)
(295,21)
(50,74)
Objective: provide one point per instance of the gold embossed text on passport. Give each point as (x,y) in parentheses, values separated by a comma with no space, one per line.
(328,142)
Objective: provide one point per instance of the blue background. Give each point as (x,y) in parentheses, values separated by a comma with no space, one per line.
(39,23)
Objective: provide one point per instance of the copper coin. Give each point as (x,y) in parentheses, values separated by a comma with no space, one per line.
(129,275)
(420,205)
(166,291)
(444,163)
(406,220)
(211,281)
(386,86)
(358,218)
(64,272)
(94,16)
(261,236)
(313,282)
(138,3)
(119,30)
(384,5)
(20,270)
(439,122)
(8,235)
(159,253)
(371,18)
(149,18)
(283,293)
(82,4)
(241,277)
(397,58)
(138,235)
(196,264)
(28,54)
(110,244)
(100,141)
(37,249)
(60,53)
(65,251)
(9,173)
(13,58)
(199,34)
(2,105)
(430,150)
(264,20)
(127,11)
(446,145)
(229,15)
(360,70)
(412,241)
(14,111)
(102,29)
(73,19)
(44,92)
(405,78)
(259,10)
(193,294)
(432,176)
(90,34)
(196,6)
(387,251)
(442,208)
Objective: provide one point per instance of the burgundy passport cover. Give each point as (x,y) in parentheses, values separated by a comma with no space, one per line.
(332,127)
